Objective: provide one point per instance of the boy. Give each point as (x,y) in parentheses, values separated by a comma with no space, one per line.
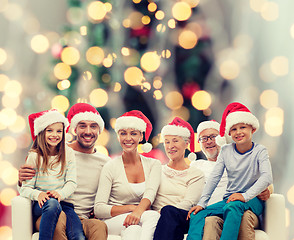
(249,173)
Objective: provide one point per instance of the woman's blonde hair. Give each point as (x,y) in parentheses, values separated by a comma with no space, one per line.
(41,147)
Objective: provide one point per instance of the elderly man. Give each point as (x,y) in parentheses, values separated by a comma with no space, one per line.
(87,124)
(206,134)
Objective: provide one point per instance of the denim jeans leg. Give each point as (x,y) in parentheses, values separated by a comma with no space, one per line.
(50,213)
(74,228)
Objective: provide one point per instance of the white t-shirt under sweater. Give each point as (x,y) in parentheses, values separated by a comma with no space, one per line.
(115,190)
(179,188)
(89,167)
(65,184)
(207,167)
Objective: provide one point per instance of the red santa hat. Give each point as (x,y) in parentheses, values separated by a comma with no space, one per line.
(39,121)
(207,125)
(84,112)
(179,127)
(235,113)
(136,120)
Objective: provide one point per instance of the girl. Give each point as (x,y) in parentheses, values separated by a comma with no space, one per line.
(128,183)
(55,178)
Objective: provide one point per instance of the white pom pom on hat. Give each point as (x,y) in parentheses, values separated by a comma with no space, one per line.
(179,127)
(135,119)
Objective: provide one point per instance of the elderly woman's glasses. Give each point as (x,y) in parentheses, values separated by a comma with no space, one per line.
(205,138)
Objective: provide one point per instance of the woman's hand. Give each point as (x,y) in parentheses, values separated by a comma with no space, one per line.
(54,194)
(42,198)
(264,195)
(132,219)
(195,210)
(236,197)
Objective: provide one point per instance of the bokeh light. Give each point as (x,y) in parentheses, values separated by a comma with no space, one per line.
(181,11)
(18,126)
(152,7)
(3,56)
(96,11)
(270,11)
(70,55)
(60,103)
(63,84)
(280,66)
(274,120)
(6,195)
(157,95)
(13,88)
(269,99)
(150,61)
(39,43)
(133,76)
(187,39)
(62,71)
(10,102)
(229,69)
(201,100)
(95,55)
(6,233)
(174,100)
(103,138)
(98,97)
(4,79)
(8,145)
(290,195)
(10,176)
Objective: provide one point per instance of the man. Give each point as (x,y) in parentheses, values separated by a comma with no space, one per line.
(206,134)
(87,124)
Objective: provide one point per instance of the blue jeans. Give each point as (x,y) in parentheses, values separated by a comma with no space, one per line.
(172,224)
(231,212)
(50,213)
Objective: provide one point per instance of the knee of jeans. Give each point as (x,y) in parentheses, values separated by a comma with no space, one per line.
(233,206)
(52,204)
(167,209)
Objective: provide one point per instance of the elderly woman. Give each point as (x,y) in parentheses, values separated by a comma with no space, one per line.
(128,183)
(181,185)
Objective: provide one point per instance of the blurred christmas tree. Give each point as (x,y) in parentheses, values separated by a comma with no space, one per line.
(122,55)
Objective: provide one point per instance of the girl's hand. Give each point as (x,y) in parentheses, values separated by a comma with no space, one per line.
(54,194)
(236,197)
(42,198)
(194,209)
(132,219)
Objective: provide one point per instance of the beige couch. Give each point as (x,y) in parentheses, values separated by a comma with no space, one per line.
(275,227)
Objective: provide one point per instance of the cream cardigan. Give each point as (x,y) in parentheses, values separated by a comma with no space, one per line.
(114,188)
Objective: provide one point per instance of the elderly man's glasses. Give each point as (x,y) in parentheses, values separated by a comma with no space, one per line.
(205,138)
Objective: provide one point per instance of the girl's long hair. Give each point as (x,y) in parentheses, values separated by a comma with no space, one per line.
(41,147)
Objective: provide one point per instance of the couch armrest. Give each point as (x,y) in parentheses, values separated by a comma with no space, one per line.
(275,217)
(22,223)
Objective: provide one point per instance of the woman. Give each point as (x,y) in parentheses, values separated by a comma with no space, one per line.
(181,185)
(128,183)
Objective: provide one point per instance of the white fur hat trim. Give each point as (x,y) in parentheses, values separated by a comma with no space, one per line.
(47,119)
(87,116)
(175,131)
(206,125)
(126,122)
(241,117)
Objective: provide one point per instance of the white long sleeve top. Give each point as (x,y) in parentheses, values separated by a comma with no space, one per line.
(207,168)
(179,188)
(114,188)
(42,182)
(89,167)
(249,173)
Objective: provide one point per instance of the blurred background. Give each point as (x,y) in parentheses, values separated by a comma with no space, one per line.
(167,58)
